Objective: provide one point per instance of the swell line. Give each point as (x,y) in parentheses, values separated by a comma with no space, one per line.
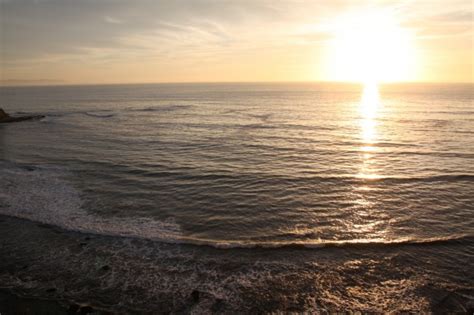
(142,226)
(319,244)
(44,195)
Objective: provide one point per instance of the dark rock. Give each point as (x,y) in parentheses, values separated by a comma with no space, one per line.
(82,244)
(3,115)
(5,118)
(195,296)
(51,290)
(218,306)
(43,225)
(73,308)
(14,304)
(86,310)
(105,268)
(452,302)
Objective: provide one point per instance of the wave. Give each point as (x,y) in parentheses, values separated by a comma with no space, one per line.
(111,113)
(104,113)
(353,243)
(44,194)
(435,178)
(186,173)
(98,115)
(50,116)
(165,108)
(438,154)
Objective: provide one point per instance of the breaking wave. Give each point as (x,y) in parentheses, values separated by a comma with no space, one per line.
(45,195)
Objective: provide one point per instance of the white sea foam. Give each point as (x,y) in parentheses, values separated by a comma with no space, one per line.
(45,195)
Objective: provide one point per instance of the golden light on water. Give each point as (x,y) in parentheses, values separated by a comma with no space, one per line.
(365,222)
(368,109)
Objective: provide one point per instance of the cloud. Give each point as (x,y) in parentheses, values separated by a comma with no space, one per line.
(34,28)
(112,20)
(104,32)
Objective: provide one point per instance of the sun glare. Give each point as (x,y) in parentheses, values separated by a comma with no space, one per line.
(368,129)
(370,47)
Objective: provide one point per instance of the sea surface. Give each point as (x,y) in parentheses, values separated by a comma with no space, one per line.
(240,198)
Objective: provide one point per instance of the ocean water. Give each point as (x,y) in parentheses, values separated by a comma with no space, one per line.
(259,197)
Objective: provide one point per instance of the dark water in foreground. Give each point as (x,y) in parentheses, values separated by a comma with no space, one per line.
(260,197)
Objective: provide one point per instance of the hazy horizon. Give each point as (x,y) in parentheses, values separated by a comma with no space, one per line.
(53,83)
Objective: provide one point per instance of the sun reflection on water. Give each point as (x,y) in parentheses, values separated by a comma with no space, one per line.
(369,221)
(368,129)
(368,110)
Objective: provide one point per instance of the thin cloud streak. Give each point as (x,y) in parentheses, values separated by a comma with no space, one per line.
(63,34)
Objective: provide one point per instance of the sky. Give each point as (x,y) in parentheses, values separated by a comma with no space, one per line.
(144,41)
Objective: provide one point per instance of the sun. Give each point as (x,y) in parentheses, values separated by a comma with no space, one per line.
(370,46)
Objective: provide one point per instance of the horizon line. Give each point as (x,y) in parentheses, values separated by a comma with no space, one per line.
(57,84)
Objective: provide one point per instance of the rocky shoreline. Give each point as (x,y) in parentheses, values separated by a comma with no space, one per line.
(66,272)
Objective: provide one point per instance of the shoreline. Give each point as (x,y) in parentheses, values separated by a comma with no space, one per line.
(68,272)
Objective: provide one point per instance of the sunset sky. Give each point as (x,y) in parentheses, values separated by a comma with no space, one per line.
(120,41)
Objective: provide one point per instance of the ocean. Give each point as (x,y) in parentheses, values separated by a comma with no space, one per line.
(240,197)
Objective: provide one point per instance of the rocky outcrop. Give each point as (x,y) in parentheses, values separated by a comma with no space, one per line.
(3,115)
(5,118)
